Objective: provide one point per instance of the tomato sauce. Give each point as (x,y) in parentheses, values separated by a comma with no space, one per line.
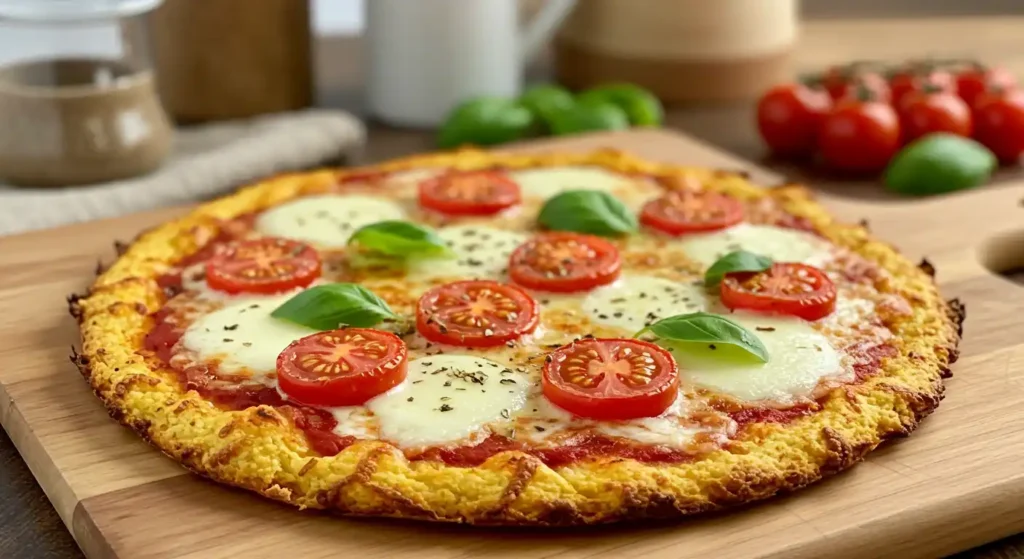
(869,360)
(574,450)
(161,339)
(747,416)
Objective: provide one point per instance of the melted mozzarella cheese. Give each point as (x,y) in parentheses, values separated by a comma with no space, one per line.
(243,337)
(664,429)
(779,243)
(547,182)
(480,252)
(448,398)
(633,302)
(799,357)
(327,220)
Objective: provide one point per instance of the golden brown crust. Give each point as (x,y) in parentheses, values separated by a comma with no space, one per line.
(259,450)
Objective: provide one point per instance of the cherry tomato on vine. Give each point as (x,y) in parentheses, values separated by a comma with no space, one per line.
(859,136)
(974,81)
(999,124)
(788,118)
(925,112)
(912,80)
(843,81)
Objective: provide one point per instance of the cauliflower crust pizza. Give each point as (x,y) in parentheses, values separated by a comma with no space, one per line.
(515,339)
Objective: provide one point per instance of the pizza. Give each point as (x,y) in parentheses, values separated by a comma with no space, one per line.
(495,338)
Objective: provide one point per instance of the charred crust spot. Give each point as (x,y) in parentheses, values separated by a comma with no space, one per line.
(131,381)
(642,504)
(840,454)
(81,362)
(141,309)
(957,312)
(268,414)
(121,247)
(140,426)
(100,268)
(75,304)
(307,466)
(184,405)
(865,224)
(226,430)
(927,267)
(559,513)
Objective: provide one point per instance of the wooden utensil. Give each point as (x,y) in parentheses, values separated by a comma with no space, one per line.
(954,484)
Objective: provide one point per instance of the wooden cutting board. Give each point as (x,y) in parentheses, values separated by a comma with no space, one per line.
(956,483)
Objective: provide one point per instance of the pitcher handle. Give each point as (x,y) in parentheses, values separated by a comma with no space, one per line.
(538,31)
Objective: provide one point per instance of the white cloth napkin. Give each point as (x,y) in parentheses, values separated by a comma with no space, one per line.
(207,161)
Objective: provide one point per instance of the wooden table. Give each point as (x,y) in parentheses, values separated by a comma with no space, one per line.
(29,527)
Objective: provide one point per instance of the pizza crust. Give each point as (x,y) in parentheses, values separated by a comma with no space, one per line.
(257,449)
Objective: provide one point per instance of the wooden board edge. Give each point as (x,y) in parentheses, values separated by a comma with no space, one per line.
(43,468)
(88,535)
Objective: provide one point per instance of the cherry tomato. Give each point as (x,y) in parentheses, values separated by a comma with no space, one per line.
(267,265)
(475,313)
(915,80)
(925,112)
(843,82)
(611,378)
(785,288)
(469,193)
(341,367)
(564,262)
(972,82)
(999,124)
(788,118)
(691,211)
(860,136)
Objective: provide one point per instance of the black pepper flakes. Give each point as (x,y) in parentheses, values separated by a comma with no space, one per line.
(539,429)
(505,413)
(507,381)
(231,327)
(445,407)
(409,399)
(712,346)
(228,340)
(765,328)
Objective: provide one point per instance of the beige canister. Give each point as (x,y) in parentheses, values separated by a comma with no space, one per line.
(683,50)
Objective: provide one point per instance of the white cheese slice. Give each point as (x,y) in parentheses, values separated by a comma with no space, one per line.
(481,252)
(448,398)
(665,429)
(242,337)
(635,301)
(799,357)
(546,182)
(327,220)
(779,243)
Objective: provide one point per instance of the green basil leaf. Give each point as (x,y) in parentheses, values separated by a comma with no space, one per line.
(587,211)
(399,238)
(737,261)
(706,328)
(330,306)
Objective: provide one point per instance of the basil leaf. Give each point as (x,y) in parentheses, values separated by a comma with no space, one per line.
(587,211)
(706,328)
(326,307)
(399,238)
(736,261)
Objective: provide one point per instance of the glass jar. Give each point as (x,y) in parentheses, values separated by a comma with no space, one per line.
(77,100)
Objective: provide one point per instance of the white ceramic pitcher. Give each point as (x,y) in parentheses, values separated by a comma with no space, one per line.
(425,56)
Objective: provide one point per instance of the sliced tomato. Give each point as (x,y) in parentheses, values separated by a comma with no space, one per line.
(691,211)
(785,288)
(469,193)
(475,313)
(268,265)
(611,378)
(564,262)
(343,367)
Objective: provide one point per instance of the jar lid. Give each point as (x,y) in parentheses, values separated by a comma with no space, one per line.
(70,11)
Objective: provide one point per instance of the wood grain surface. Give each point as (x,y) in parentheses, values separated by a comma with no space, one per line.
(955,484)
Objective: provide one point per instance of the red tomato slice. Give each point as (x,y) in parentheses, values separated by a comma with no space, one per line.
(475,313)
(341,367)
(268,265)
(564,262)
(469,193)
(691,211)
(785,288)
(611,378)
